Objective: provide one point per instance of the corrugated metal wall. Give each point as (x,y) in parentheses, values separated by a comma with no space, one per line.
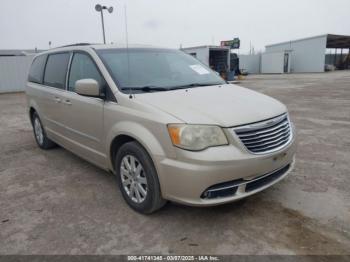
(272,63)
(307,56)
(251,63)
(14,72)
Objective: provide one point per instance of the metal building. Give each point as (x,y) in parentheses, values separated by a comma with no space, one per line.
(307,55)
(250,63)
(14,66)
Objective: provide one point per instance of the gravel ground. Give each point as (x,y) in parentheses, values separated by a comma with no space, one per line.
(52,202)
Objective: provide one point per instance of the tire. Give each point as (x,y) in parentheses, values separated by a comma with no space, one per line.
(139,177)
(40,135)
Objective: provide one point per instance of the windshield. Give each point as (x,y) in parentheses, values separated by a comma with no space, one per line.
(156,69)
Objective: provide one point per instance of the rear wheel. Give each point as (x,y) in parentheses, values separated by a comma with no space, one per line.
(39,133)
(138,179)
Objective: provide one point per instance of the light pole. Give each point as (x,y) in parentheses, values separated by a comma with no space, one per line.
(99,8)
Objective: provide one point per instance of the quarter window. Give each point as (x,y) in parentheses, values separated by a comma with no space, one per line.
(36,71)
(83,67)
(56,70)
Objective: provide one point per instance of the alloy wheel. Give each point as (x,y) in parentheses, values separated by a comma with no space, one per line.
(38,130)
(133,179)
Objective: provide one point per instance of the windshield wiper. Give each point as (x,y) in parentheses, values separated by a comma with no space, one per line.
(192,85)
(151,88)
(146,88)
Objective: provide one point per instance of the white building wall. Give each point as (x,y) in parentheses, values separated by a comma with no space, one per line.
(202,53)
(251,63)
(307,55)
(14,72)
(272,63)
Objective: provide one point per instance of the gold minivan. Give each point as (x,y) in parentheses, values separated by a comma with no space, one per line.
(167,125)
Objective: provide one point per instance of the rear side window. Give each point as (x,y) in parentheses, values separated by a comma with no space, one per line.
(83,67)
(36,71)
(56,69)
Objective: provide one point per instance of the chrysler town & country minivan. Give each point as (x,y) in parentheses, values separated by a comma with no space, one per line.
(164,123)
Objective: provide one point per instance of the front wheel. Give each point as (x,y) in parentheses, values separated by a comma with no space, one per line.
(138,179)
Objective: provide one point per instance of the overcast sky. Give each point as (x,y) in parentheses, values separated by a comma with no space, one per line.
(26,24)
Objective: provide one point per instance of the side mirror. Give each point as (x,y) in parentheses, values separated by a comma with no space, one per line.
(87,87)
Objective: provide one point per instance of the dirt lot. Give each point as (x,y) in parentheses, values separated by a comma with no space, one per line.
(52,202)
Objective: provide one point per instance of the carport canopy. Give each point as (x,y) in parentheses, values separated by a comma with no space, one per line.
(338,41)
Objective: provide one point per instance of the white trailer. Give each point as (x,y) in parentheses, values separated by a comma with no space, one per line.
(216,57)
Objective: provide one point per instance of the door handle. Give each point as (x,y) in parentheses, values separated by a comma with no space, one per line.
(57,99)
(67,102)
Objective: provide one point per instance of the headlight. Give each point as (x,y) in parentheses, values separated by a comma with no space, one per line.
(196,137)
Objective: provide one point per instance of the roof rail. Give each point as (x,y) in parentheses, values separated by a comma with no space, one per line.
(77,44)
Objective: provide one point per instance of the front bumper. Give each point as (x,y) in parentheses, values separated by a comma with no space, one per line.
(187,179)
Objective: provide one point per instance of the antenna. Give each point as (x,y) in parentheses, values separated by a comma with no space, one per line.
(127,50)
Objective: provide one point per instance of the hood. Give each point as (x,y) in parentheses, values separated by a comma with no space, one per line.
(226,105)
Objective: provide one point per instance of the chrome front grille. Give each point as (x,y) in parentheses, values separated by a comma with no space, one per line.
(266,136)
